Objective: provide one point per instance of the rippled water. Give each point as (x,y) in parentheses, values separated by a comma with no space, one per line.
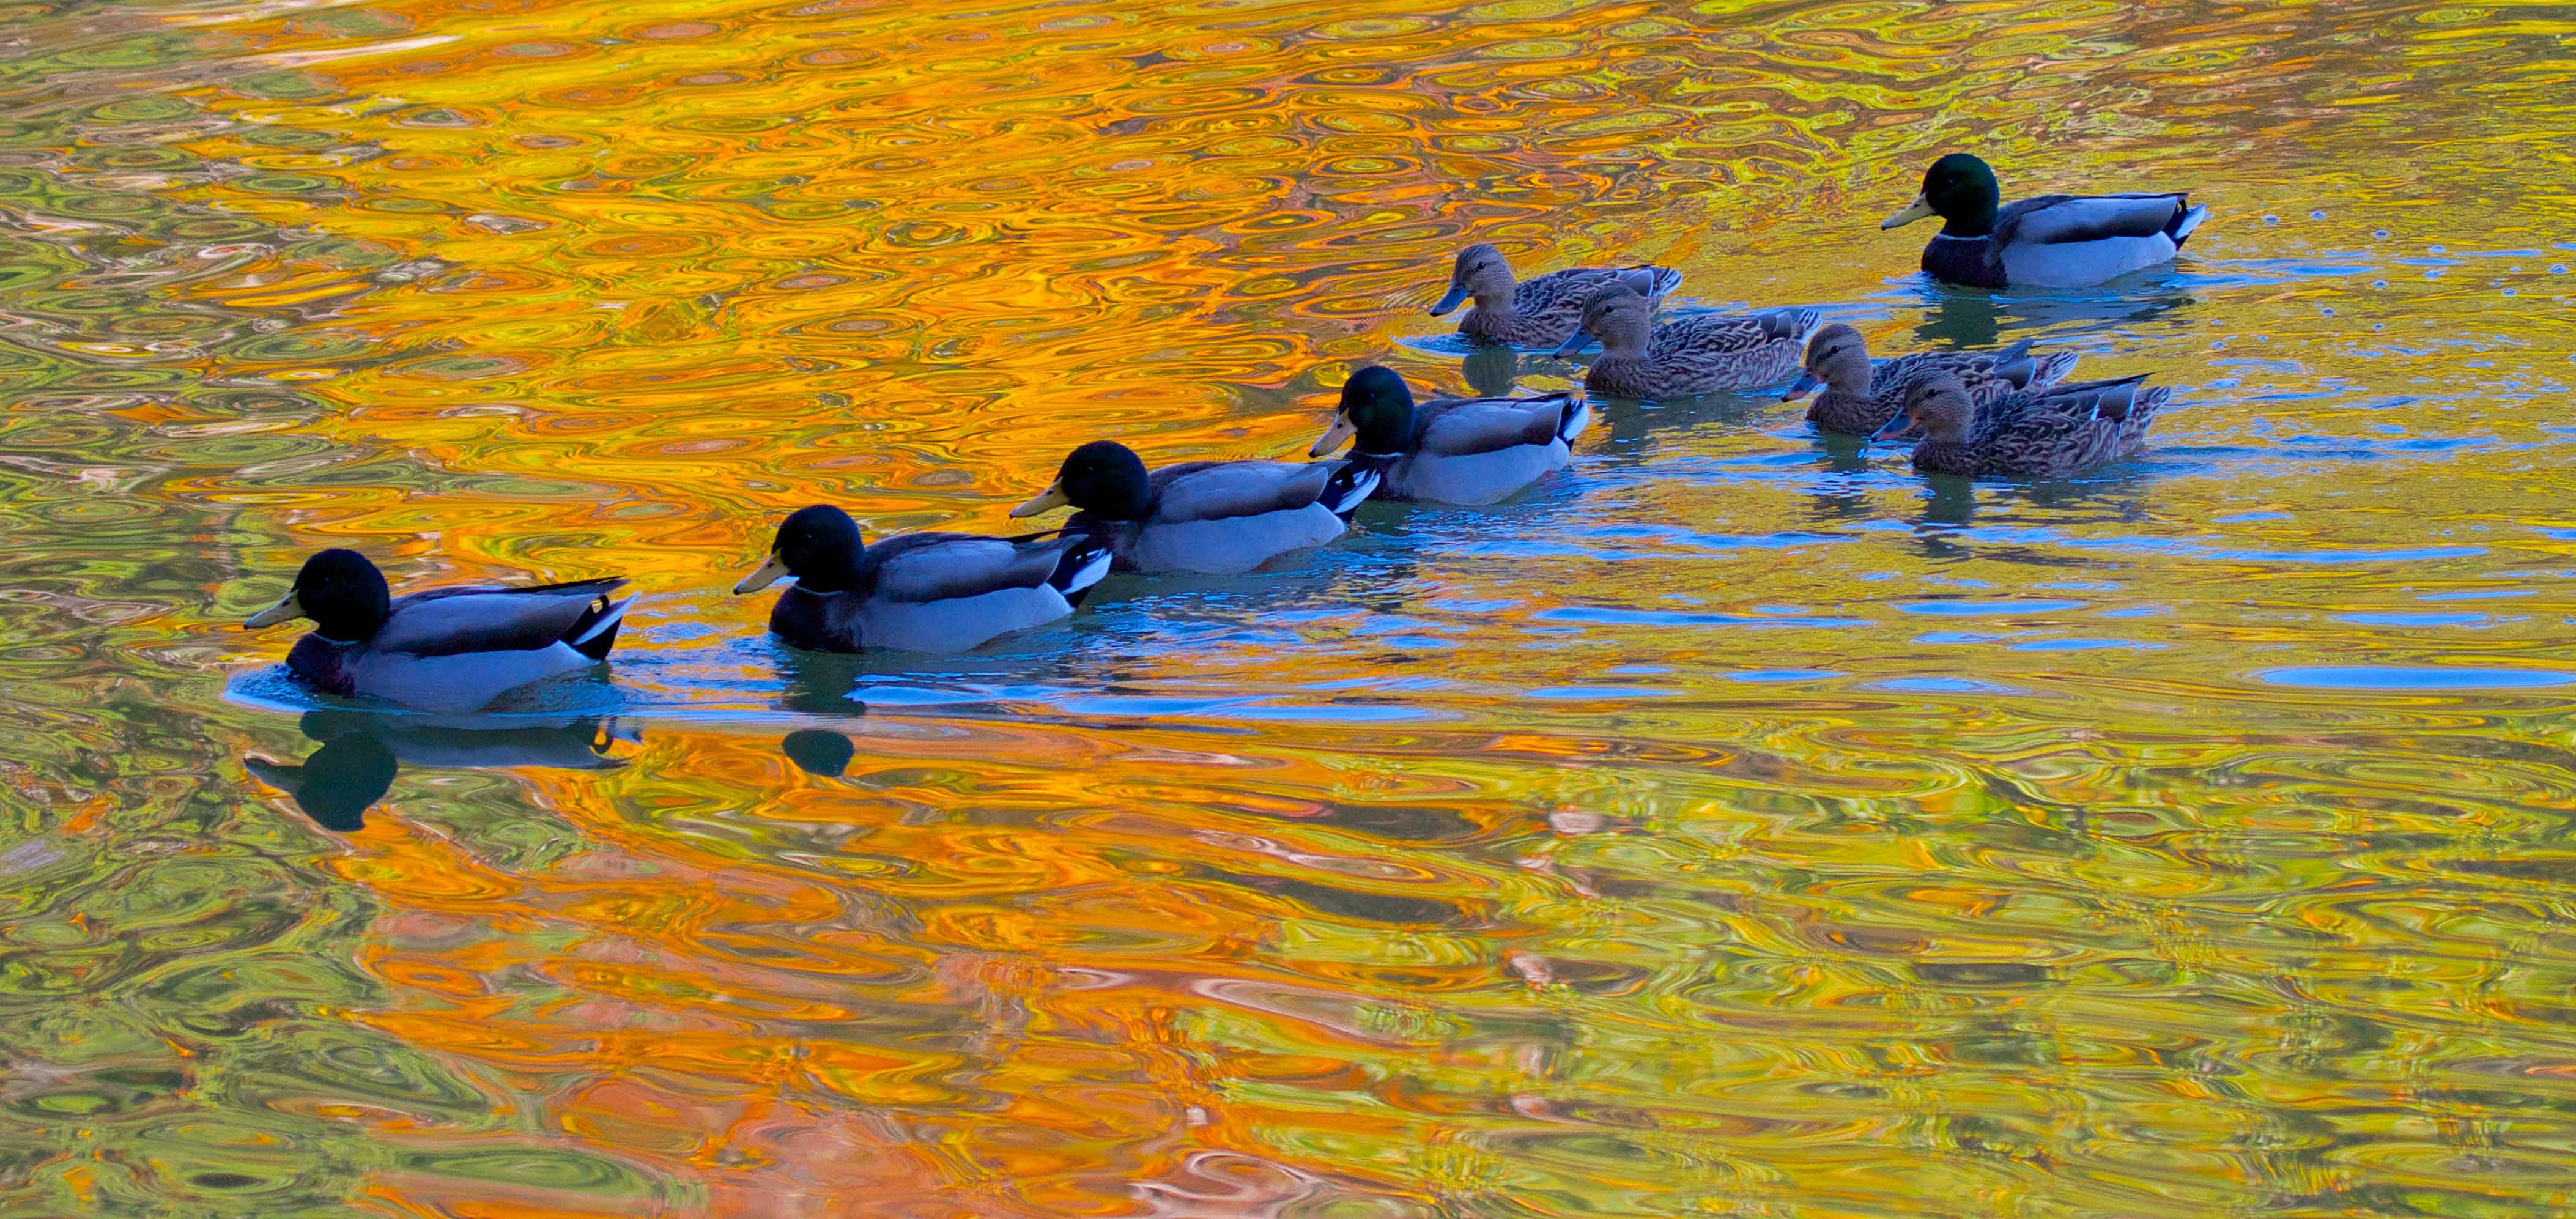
(1737,824)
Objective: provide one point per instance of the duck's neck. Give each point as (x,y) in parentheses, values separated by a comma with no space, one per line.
(1973,218)
(1846,410)
(833,578)
(1621,376)
(1945,457)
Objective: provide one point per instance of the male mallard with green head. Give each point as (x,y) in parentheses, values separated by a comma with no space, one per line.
(1217,517)
(2050,241)
(917,592)
(440,649)
(1452,450)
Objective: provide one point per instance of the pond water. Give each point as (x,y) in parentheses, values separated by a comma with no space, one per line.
(1736,823)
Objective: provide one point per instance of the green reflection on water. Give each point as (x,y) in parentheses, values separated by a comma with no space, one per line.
(1736,824)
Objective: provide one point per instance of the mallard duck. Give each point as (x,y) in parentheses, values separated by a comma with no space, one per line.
(1543,311)
(2050,241)
(1452,450)
(1217,517)
(2055,432)
(916,592)
(1860,395)
(1687,356)
(440,648)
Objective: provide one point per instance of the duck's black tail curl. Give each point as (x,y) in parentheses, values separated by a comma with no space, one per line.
(596,631)
(1351,485)
(1082,565)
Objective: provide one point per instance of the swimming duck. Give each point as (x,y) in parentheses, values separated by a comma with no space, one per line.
(1541,312)
(2055,432)
(1688,356)
(916,592)
(440,648)
(1452,450)
(1861,394)
(2048,241)
(1218,517)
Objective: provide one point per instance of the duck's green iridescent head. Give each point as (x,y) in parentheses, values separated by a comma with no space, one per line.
(1104,478)
(819,545)
(1961,190)
(340,590)
(1377,407)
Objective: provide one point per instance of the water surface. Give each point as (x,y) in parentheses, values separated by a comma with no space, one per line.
(1736,824)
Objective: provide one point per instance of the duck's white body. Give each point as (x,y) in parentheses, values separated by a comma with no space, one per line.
(942,592)
(1229,545)
(1483,478)
(2067,241)
(462,682)
(1476,451)
(458,649)
(1226,517)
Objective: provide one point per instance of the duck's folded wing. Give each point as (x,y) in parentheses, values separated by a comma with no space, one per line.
(1649,281)
(2063,219)
(940,567)
(2084,400)
(1717,332)
(1464,427)
(454,621)
(1215,490)
(1557,290)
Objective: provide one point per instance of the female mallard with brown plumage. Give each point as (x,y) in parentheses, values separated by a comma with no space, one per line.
(2055,432)
(1861,394)
(1541,312)
(1688,356)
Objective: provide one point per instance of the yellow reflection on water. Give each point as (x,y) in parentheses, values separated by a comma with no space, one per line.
(1737,824)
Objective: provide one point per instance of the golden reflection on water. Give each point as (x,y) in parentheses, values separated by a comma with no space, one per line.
(1737,824)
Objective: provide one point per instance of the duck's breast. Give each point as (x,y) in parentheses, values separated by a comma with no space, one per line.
(322,664)
(956,624)
(1231,544)
(462,682)
(1481,478)
(2081,264)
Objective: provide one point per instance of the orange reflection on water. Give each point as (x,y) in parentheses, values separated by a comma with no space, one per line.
(1737,824)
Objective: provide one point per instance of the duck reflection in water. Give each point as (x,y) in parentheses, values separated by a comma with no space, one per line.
(819,752)
(1975,318)
(820,683)
(1492,371)
(362,752)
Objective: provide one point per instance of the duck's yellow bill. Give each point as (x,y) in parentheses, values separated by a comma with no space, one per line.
(771,571)
(286,607)
(1921,207)
(1046,501)
(1342,430)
